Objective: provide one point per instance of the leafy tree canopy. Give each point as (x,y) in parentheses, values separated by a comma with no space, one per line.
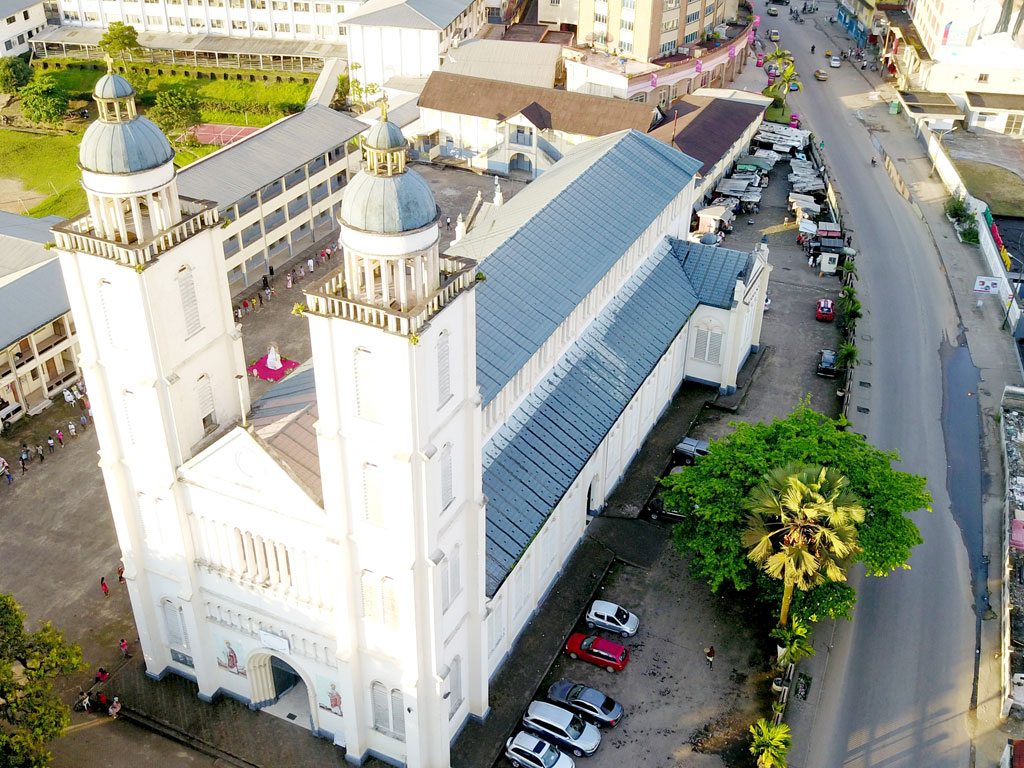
(31,714)
(14,74)
(175,111)
(716,486)
(119,39)
(44,101)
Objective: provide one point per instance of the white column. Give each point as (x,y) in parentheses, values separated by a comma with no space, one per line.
(108,225)
(385,282)
(368,275)
(165,208)
(122,227)
(154,213)
(137,217)
(350,273)
(403,285)
(175,203)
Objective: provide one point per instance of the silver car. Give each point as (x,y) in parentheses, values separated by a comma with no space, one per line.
(524,750)
(612,617)
(562,727)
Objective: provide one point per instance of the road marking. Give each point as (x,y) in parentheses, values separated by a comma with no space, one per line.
(89,724)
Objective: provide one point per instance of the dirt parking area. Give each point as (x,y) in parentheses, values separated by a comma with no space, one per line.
(678,711)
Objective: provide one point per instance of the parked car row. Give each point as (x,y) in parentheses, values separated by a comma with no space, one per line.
(571,718)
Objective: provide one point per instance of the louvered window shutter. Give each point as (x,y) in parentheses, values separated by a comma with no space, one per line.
(371,597)
(454,571)
(398,713)
(714,347)
(371,495)
(204,396)
(189,302)
(455,686)
(172,620)
(447,491)
(444,379)
(700,345)
(379,694)
(389,595)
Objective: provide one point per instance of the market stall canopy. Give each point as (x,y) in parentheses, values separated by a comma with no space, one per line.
(753,161)
(807,226)
(717,213)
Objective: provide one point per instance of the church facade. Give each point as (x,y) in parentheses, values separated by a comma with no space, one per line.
(364,543)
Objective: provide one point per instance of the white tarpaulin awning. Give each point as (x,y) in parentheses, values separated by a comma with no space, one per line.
(717,212)
(807,226)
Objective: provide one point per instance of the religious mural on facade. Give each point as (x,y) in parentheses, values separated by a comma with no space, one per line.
(231,655)
(328,697)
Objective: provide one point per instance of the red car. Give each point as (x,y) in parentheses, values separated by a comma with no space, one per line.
(825,310)
(597,650)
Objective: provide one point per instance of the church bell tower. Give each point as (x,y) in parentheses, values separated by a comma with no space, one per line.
(393,338)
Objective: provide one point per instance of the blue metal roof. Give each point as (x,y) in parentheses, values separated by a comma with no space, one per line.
(713,271)
(30,301)
(550,245)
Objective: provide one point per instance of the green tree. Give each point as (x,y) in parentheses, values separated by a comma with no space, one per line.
(795,640)
(14,74)
(31,714)
(175,111)
(785,81)
(714,489)
(119,39)
(43,100)
(848,270)
(779,57)
(847,356)
(770,743)
(801,527)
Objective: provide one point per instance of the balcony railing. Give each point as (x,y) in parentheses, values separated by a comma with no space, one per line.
(81,235)
(50,342)
(329,299)
(60,381)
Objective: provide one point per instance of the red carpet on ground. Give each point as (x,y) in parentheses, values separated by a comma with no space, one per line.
(260,371)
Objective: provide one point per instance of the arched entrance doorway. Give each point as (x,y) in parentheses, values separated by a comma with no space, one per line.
(281,690)
(520,162)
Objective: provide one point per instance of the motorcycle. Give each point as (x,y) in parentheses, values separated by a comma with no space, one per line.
(874,162)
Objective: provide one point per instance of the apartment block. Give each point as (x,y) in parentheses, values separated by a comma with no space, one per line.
(20,21)
(646,30)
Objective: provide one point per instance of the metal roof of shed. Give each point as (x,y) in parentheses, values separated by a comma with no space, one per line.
(236,171)
(414,14)
(534,458)
(31,300)
(546,249)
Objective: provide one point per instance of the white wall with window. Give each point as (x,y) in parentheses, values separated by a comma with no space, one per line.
(19,23)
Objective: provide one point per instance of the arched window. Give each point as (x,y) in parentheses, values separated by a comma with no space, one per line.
(707,345)
(189,302)
(365,384)
(388,710)
(447,487)
(204,399)
(455,687)
(444,378)
(174,623)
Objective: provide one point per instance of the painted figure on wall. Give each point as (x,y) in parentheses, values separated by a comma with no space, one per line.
(328,697)
(228,659)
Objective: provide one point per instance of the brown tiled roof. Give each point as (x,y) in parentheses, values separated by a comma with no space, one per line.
(706,127)
(564,111)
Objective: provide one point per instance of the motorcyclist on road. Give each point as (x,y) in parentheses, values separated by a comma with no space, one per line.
(812,49)
(874,161)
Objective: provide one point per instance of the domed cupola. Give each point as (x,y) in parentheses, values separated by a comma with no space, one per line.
(386,197)
(121,141)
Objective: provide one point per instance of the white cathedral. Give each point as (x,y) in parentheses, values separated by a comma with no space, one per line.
(365,542)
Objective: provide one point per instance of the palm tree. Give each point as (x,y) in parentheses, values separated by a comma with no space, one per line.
(849,271)
(801,527)
(785,81)
(795,641)
(779,56)
(770,743)
(847,356)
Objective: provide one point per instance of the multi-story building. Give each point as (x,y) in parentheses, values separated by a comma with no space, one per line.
(20,21)
(646,30)
(277,191)
(38,346)
(261,19)
(359,556)
(958,47)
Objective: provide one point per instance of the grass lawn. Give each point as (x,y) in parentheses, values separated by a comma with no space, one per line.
(46,164)
(1002,189)
(778,114)
(186,155)
(234,102)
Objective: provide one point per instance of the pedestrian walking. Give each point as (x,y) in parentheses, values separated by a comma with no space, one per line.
(120,574)
(104,587)
(266,282)
(123,645)
(245,306)
(72,429)
(114,708)
(25,455)
(448,222)
(310,264)
(7,473)
(42,456)
(21,459)
(259,297)
(60,438)
(709,654)
(84,420)
(268,293)
(302,272)
(49,444)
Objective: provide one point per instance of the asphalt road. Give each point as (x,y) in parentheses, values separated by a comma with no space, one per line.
(898,689)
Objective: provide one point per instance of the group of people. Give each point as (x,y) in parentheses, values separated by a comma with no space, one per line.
(74,395)
(89,702)
(312,262)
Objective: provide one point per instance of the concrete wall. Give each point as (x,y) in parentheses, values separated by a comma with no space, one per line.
(18,27)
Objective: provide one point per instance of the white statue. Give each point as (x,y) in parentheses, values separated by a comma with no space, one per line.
(273,357)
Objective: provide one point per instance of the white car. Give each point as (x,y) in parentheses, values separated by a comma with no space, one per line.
(524,750)
(834,62)
(614,618)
